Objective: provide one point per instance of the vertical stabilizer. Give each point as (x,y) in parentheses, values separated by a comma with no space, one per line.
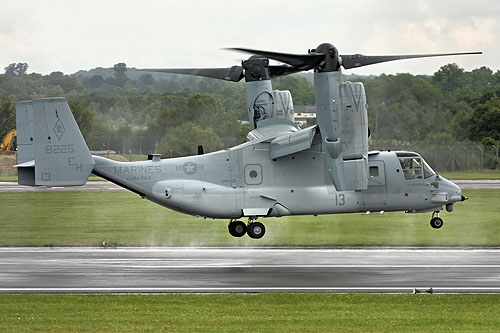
(51,148)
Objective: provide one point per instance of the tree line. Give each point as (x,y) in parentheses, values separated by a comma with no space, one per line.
(126,110)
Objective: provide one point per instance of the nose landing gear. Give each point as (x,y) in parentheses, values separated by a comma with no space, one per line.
(436,222)
(254,229)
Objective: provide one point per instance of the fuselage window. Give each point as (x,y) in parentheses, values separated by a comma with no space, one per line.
(374,171)
(412,167)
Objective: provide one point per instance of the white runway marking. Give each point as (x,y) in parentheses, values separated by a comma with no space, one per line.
(243,289)
(208,266)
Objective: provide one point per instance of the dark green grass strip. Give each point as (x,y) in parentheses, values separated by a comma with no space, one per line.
(88,217)
(250,313)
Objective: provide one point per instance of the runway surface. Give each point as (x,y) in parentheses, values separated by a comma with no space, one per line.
(107,186)
(479,183)
(89,186)
(160,270)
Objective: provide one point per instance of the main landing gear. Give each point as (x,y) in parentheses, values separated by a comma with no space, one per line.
(254,229)
(436,222)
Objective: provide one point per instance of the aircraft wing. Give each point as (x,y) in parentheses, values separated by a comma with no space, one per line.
(285,137)
(271,128)
(294,142)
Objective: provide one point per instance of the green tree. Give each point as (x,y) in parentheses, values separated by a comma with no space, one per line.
(495,145)
(211,86)
(458,126)
(123,135)
(101,134)
(120,74)
(10,70)
(7,115)
(145,81)
(302,90)
(184,140)
(56,75)
(481,77)
(485,120)
(204,109)
(450,77)
(144,141)
(96,81)
(16,69)
(83,115)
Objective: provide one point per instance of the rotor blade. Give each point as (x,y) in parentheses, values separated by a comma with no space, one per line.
(299,61)
(276,71)
(234,73)
(359,60)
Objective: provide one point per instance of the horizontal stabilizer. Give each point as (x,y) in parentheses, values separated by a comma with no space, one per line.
(29,164)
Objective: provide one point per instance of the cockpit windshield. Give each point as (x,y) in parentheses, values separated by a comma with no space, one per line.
(414,167)
(427,169)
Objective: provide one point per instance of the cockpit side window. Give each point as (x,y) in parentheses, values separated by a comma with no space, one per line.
(412,167)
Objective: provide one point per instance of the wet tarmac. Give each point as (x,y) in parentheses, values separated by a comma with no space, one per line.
(479,184)
(89,186)
(214,270)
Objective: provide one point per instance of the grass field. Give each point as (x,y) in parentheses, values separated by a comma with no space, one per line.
(88,217)
(251,313)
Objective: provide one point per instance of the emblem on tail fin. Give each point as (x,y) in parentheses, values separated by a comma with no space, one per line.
(59,129)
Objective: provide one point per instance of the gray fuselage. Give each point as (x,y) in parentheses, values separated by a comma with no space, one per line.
(244,181)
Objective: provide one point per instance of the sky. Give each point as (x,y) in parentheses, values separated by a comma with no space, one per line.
(67,36)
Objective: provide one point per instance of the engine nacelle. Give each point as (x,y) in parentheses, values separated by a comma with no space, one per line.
(342,116)
(265,103)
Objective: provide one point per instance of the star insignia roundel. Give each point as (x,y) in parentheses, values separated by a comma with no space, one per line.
(189,168)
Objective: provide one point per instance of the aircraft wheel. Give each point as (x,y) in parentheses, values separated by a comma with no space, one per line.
(256,230)
(237,228)
(436,222)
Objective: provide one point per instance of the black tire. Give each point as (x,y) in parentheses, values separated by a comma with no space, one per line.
(237,228)
(436,222)
(256,230)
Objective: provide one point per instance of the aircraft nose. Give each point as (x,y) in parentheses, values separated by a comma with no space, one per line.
(454,192)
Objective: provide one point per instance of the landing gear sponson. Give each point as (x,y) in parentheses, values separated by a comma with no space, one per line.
(254,229)
(436,222)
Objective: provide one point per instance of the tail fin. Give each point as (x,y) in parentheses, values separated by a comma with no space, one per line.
(51,148)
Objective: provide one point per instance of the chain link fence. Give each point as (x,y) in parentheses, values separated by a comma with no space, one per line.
(448,157)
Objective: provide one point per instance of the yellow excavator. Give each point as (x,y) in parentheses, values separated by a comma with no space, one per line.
(8,141)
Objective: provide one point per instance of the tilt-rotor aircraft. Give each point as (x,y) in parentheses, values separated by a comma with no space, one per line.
(281,170)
